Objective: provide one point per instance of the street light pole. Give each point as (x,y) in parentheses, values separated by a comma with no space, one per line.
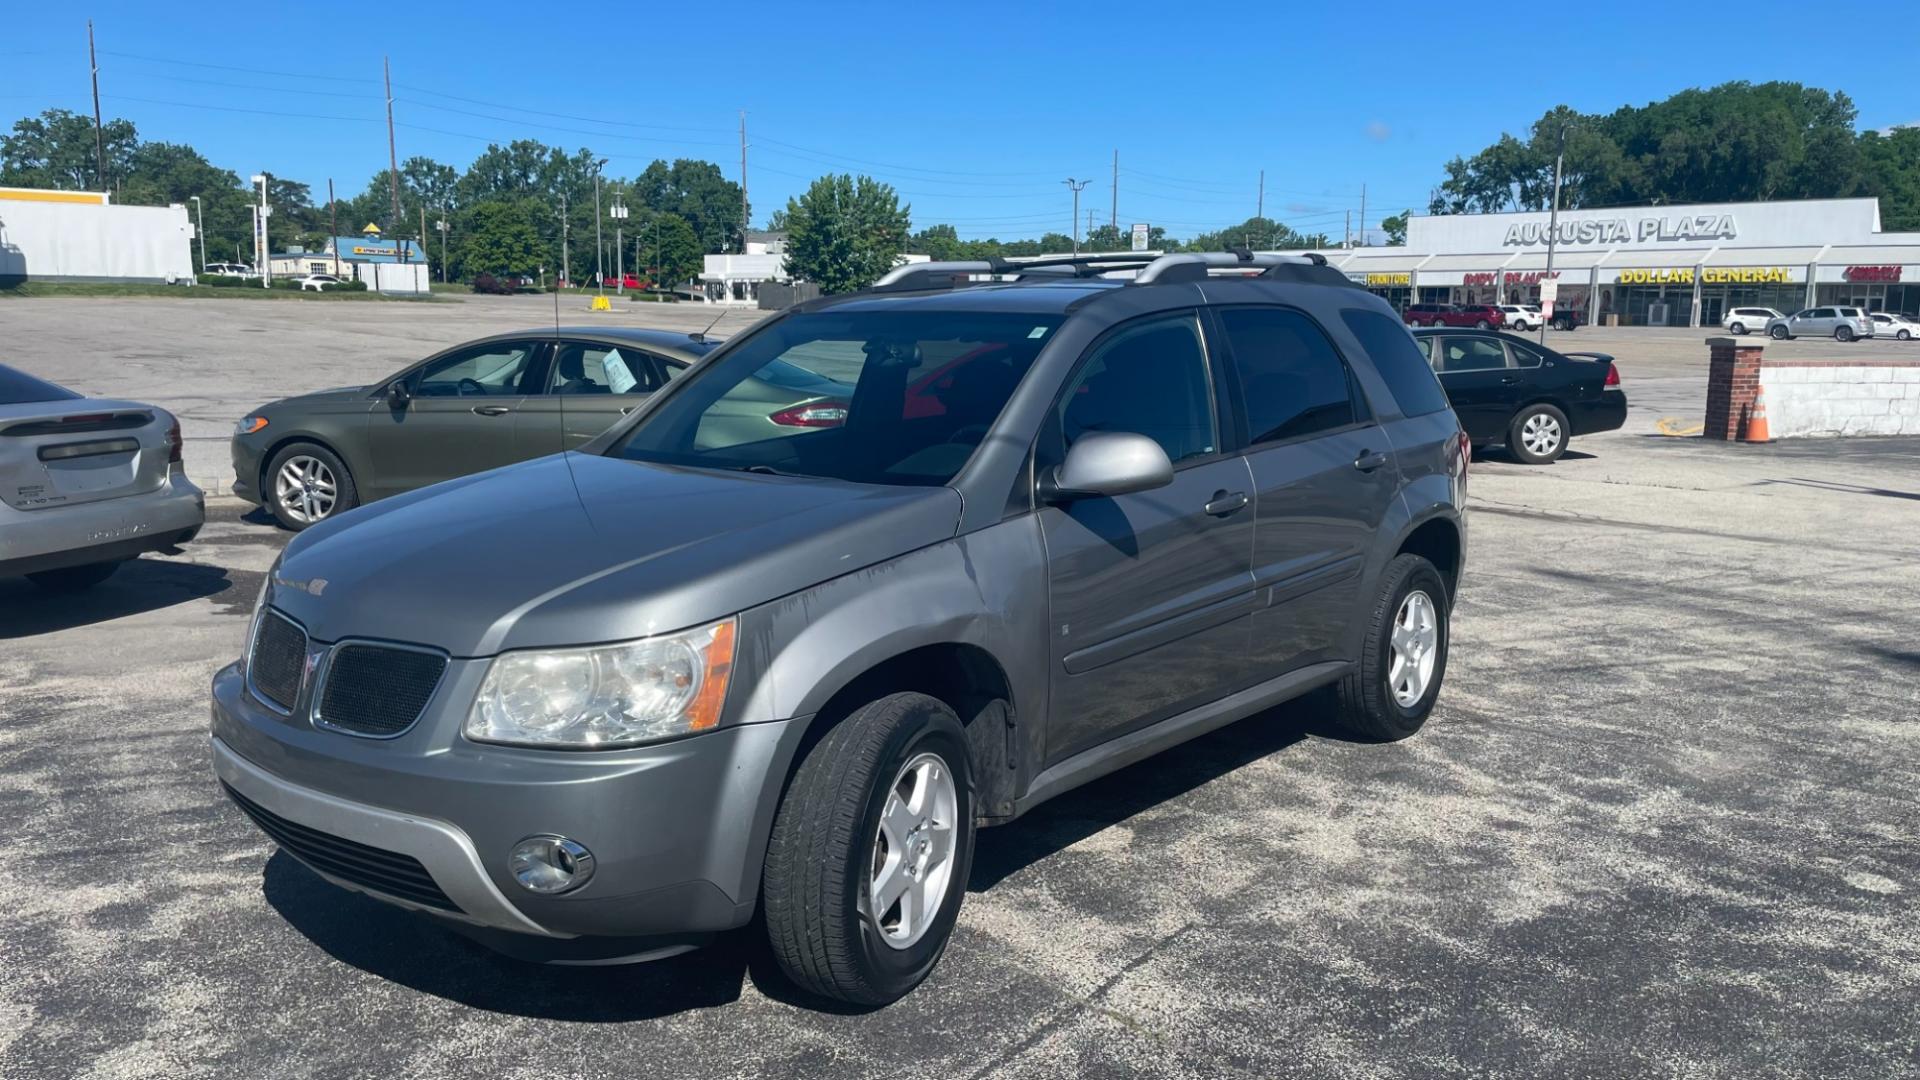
(1076,185)
(619,250)
(264,251)
(1553,229)
(599,247)
(200,218)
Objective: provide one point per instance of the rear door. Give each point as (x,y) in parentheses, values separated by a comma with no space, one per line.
(589,386)
(460,419)
(1483,390)
(1323,478)
(1150,592)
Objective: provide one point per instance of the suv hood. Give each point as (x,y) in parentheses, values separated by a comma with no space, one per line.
(579,549)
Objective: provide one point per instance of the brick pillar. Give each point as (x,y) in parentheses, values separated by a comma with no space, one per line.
(1733,378)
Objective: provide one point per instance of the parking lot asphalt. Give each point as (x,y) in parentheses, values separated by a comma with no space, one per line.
(1662,824)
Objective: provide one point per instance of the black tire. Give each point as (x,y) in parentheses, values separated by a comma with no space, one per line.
(346,496)
(818,866)
(1737,328)
(71,579)
(1363,702)
(1779,333)
(1482,325)
(1843,333)
(1557,420)
(1902,336)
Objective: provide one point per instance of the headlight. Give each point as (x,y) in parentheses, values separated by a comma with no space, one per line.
(250,424)
(609,695)
(259,605)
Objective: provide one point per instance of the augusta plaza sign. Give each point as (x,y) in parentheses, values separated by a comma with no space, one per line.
(1626,230)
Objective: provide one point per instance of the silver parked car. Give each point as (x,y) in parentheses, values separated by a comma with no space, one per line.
(1839,323)
(86,484)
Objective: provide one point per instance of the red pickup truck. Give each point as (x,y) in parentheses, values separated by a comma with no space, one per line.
(1479,316)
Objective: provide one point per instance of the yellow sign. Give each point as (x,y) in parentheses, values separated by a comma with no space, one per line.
(601,303)
(1743,275)
(371,229)
(1746,275)
(1389,279)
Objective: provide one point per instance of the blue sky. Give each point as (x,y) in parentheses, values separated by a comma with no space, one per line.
(975,112)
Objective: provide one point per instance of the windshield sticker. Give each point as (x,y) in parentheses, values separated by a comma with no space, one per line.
(619,379)
(1038,332)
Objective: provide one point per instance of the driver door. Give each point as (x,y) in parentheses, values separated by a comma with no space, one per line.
(460,419)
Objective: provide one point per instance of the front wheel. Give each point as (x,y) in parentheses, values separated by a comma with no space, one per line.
(307,484)
(1902,336)
(1481,324)
(1779,333)
(1404,657)
(1538,434)
(870,852)
(1843,333)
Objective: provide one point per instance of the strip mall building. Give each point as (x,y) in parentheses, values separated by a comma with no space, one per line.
(1653,265)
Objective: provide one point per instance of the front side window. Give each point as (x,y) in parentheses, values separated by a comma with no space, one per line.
(877,396)
(489,370)
(1150,379)
(601,369)
(1293,382)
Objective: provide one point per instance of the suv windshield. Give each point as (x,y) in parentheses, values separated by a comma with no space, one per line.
(877,397)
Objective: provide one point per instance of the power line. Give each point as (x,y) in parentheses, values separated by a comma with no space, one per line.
(238,109)
(540,112)
(229,67)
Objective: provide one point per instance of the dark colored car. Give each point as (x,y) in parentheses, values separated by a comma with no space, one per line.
(1527,397)
(605,704)
(1479,316)
(473,407)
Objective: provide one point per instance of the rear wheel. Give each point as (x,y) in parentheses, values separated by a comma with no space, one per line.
(307,484)
(69,579)
(1404,657)
(1737,328)
(870,852)
(1538,434)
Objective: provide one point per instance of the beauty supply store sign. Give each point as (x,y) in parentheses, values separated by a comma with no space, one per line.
(1870,275)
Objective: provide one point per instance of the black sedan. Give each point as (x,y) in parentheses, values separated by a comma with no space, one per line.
(1510,391)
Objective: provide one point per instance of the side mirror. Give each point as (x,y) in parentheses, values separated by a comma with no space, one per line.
(1108,463)
(398,395)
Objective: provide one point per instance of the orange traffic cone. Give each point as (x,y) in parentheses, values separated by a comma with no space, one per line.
(1756,430)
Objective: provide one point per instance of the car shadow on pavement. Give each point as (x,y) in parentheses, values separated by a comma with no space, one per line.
(139,586)
(1062,822)
(414,951)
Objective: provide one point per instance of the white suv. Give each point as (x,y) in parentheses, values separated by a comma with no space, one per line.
(1742,320)
(1521,317)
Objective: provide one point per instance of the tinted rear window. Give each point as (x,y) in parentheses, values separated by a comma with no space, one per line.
(18,388)
(1293,382)
(1398,361)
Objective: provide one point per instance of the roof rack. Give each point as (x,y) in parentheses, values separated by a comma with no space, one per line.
(1159,269)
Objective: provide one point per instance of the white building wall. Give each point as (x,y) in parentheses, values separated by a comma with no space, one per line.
(1826,400)
(53,241)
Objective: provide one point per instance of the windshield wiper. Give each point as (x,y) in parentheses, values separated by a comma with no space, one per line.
(763,470)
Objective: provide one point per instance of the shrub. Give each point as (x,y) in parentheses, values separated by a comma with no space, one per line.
(222,281)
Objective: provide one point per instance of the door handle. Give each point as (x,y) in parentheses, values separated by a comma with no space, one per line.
(1369,461)
(491,410)
(1227,502)
(1509,380)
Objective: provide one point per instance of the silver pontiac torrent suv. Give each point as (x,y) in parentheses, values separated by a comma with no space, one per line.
(604,704)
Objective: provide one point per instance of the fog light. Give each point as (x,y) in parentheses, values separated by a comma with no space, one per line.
(550,864)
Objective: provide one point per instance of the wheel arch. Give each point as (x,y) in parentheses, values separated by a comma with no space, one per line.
(273,450)
(1437,538)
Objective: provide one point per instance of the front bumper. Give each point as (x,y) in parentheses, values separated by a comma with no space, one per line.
(247,454)
(104,531)
(678,829)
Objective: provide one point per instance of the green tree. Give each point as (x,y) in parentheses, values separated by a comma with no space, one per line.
(1890,165)
(938,242)
(699,193)
(672,251)
(1258,233)
(498,237)
(844,233)
(56,150)
(1396,227)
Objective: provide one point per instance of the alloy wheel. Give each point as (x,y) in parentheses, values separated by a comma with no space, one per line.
(306,489)
(911,867)
(1416,646)
(1540,434)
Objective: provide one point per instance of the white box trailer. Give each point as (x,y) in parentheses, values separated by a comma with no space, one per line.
(82,236)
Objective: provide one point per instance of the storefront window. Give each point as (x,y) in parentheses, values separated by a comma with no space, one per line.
(1902,297)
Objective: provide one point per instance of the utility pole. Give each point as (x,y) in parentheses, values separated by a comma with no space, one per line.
(99,141)
(200,215)
(1260,200)
(333,228)
(1553,230)
(442,225)
(1363,215)
(1076,185)
(745,221)
(423,239)
(1347,241)
(393,158)
(566,273)
(1113,218)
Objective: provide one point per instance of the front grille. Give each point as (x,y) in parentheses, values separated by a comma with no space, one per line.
(278,660)
(377,690)
(386,872)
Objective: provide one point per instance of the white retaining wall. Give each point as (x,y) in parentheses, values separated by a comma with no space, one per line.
(1838,397)
(404,278)
(64,241)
